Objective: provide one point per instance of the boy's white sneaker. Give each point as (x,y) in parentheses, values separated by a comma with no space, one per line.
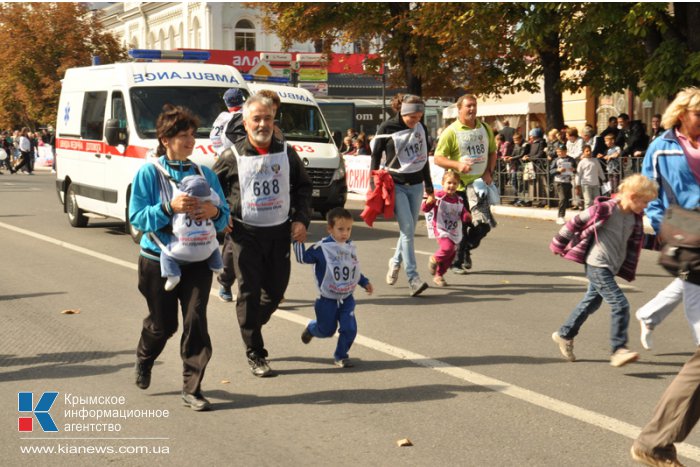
(561,221)
(344,363)
(645,335)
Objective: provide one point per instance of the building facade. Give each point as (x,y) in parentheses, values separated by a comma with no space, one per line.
(191,25)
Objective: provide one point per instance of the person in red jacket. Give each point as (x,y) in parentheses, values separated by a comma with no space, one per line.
(380,200)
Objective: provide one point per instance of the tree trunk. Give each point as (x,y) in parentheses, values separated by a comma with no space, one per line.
(551,66)
(406,58)
(692,21)
(413,83)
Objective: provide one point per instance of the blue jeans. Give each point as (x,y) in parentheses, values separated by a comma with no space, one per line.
(407,208)
(602,286)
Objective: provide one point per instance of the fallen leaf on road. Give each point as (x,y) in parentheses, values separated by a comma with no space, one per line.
(225,381)
(70,312)
(404,442)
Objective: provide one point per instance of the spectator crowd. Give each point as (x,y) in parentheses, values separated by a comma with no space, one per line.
(20,149)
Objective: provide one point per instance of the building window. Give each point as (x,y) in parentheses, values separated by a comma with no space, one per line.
(244,35)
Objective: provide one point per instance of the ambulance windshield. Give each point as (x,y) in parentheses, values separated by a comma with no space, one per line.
(147,102)
(301,122)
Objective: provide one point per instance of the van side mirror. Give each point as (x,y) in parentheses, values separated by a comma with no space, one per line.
(114,133)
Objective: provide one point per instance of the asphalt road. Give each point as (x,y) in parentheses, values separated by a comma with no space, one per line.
(467,373)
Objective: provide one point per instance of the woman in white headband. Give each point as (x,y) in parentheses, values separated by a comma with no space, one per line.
(403,140)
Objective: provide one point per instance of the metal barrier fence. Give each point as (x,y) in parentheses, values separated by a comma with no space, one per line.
(532,183)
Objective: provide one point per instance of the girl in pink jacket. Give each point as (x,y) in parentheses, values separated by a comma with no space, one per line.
(446,214)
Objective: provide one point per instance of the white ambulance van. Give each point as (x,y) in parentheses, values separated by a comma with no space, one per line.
(106,124)
(305,128)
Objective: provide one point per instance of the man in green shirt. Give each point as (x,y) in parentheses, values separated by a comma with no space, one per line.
(468,147)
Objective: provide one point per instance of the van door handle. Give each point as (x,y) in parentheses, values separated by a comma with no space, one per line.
(98,155)
(108,156)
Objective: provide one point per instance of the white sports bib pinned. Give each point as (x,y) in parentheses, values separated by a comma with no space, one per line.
(264,184)
(191,241)
(411,149)
(474,147)
(342,270)
(217,137)
(448,220)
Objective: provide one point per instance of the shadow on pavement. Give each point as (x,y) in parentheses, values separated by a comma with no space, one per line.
(60,365)
(29,295)
(403,395)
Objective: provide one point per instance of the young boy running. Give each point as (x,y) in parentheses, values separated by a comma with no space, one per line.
(337,273)
(607,239)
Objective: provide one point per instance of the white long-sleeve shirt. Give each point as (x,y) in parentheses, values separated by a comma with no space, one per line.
(589,172)
(24,144)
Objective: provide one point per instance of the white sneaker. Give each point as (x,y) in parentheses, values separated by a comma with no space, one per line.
(171,283)
(561,221)
(645,336)
(392,274)
(623,356)
(566,346)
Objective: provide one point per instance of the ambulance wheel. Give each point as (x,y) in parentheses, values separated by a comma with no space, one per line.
(135,233)
(76,216)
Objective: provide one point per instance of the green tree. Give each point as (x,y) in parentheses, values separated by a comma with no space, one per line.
(671,37)
(496,48)
(413,59)
(38,42)
(500,48)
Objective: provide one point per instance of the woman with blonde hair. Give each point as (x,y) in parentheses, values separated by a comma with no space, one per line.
(673,160)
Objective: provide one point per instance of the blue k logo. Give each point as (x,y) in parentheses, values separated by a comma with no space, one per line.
(25,403)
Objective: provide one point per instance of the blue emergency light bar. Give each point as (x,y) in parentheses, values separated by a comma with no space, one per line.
(190,55)
(269,79)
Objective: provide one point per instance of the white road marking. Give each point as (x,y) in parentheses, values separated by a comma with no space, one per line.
(540,400)
(70,246)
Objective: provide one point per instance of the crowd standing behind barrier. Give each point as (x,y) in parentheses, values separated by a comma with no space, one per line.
(525,179)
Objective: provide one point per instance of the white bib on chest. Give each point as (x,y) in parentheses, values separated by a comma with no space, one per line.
(448,220)
(264,185)
(474,148)
(411,149)
(193,240)
(217,137)
(342,270)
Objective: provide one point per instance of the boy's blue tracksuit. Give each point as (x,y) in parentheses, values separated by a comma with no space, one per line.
(336,310)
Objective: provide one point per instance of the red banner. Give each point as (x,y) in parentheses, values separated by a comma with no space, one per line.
(245,60)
